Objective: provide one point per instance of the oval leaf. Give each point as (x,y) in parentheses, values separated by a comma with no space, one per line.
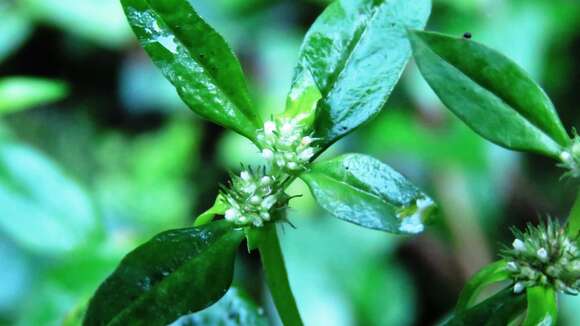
(364,191)
(356,52)
(490,93)
(175,273)
(490,274)
(234,309)
(196,60)
(499,309)
(542,307)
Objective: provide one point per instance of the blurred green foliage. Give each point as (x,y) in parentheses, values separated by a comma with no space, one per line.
(85,179)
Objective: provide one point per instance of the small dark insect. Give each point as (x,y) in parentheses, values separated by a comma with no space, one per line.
(467,35)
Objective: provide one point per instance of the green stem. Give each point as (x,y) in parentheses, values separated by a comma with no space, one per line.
(276,276)
(574,218)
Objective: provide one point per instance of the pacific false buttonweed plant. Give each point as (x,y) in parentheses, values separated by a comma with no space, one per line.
(350,61)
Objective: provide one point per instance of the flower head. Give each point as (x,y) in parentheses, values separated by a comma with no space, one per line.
(570,158)
(544,255)
(286,144)
(252,198)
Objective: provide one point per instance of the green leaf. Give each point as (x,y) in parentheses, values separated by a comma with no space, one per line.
(175,273)
(500,309)
(196,60)
(302,100)
(542,307)
(20,93)
(362,190)
(41,208)
(490,93)
(490,274)
(356,52)
(218,208)
(234,309)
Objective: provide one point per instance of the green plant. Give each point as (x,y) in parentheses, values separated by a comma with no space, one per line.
(344,76)
(342,80)
(500,102)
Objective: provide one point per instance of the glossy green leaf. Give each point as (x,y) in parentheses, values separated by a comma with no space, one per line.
(196,60)
(499,309)
(542,307)
(362,190)
(234,309)
(490,274)
(20,93)
(175,273)
(41,208)
(490,93)
(356,52)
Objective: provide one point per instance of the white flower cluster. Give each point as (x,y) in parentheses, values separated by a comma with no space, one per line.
(286,144)
(251,198)
(544,255)
(570,158)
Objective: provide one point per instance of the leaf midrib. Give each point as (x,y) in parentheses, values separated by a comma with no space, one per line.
(352,46)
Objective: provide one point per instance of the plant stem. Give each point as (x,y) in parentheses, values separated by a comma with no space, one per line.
(574,218)
(276,276)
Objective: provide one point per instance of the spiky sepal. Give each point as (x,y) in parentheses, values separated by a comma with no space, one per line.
(544,255)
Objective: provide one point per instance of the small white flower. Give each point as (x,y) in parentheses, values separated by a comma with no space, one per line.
(519,287)
(255,199)
(231,214)
(293,166)
(306,154)
(565,157)
(266,180)
(287,128)
(306,140)
(519,245)
(512,266)
(267,154)
(250,188)
(269,201)
(281,163)
(265,216)
(269,128)
(542,254)
(245,175)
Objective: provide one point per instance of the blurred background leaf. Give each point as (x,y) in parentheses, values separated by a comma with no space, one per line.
(19,93)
